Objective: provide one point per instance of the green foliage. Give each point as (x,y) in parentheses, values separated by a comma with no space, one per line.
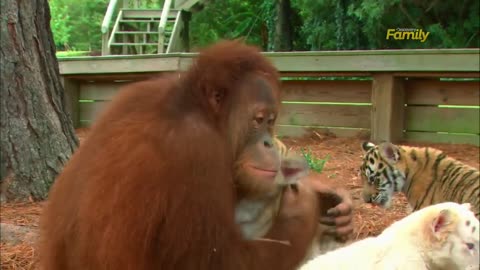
(220,19)
(146,3)
(348,24)
(315,164)
(61,30)
(317,24)
(76,24)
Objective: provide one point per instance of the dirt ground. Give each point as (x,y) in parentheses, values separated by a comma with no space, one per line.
(341,169)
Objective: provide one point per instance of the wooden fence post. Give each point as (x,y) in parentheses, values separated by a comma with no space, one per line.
(71,99)
(388,106)
(105,48)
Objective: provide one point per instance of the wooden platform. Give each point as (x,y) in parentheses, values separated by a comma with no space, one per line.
(392,95)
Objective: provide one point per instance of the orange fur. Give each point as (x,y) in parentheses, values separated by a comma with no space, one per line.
(424,174)
(152,186)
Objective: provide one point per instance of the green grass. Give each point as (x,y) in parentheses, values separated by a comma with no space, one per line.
(315,164)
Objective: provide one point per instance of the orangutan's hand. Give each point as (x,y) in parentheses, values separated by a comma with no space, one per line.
(335,208)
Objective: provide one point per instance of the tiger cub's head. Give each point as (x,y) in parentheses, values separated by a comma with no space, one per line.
(379,173)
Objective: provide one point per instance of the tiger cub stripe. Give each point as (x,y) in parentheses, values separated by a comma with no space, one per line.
(425,175)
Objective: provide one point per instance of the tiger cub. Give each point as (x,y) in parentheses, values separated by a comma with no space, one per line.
(425,175)
(255,216)
(442,236)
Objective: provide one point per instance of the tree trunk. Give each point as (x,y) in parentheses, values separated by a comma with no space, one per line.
(37,136)
(283,39)
(340,22)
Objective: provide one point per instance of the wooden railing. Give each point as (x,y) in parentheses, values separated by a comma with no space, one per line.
(397,95)
(106,26)
(176,42)
(186,6)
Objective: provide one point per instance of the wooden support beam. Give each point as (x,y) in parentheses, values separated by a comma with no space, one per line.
(388,105)
(105,48)
(70,99)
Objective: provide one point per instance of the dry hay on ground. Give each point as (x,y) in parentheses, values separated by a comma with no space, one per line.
(341,169)
(19,252)
(17,257)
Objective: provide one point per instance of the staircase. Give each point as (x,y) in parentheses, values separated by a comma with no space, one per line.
(136,31)
(147,31)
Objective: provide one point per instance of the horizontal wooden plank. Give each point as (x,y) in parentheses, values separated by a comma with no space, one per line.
(325,115)
(438,74)
(377,62)
(372,61)
(325,74)
(145,75)
(430,137)
(108,65)
(114,77)
(89,111)
(435,119)
(147,13)
(436,92)
(99,91)
(327,91)
(301,131)
(444,60)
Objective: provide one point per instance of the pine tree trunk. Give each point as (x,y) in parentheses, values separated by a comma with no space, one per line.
(37,136)
(283,40)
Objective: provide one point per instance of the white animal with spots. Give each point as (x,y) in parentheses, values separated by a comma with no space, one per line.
(443,236)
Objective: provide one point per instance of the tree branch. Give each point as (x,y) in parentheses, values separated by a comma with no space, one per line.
(409,17)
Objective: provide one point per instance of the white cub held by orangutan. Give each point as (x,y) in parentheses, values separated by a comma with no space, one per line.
(442,236)
(255,213)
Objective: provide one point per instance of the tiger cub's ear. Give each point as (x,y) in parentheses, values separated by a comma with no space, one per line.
(389,151)
(441,223)
(367,146)
(468,206)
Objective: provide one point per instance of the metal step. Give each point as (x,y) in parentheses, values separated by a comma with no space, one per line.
(168,28)
(133,44)
(140,21)
(167,33)
(147,13)
(143,22)
(136,32)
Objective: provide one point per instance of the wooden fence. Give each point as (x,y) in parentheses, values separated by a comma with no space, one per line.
(397,95)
